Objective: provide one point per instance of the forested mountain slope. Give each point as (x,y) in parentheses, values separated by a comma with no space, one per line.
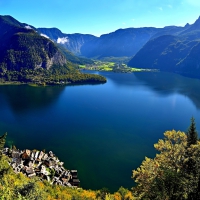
(176,53)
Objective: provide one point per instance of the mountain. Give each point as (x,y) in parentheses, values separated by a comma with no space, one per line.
(172,52)
(123,42)
(171,48)
(120,43)
(193,27)
(190,65)
(22,47)
(171,30)
(72,42)
(27,56)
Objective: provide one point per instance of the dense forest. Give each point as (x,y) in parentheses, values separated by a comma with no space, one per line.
(174,173)
(28,57)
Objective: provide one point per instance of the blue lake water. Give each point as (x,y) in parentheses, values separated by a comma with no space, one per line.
(103,131)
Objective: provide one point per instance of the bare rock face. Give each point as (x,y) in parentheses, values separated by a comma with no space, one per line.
(57,59)
(72,42)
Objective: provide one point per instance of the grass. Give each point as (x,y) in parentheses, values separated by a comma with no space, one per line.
(82,66)
(111,66)
(137,70)
(106,68)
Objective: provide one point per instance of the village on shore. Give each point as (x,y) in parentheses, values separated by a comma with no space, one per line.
(46,166)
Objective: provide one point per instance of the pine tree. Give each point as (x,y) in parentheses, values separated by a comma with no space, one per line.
(191,164)
(192,133)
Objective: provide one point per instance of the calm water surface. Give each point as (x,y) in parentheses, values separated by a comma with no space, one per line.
(104,131)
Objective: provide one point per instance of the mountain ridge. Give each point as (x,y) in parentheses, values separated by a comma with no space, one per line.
(119,43)
(26,56)
(175,53)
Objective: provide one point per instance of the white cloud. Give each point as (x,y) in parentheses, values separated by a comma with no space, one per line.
(133,19)
(160,8)
(169,6)
(44,35)
(62,40)
(28,27)
(124,23)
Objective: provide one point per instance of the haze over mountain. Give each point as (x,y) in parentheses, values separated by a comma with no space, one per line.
(120,43)
(172,48)
(26,55)
(172,52)
(72,42)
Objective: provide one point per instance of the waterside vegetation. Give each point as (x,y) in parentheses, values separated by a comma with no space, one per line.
(57,75)
(119,67)
(28,57)
(174,173)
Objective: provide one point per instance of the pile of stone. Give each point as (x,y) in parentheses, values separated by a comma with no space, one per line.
(44,165)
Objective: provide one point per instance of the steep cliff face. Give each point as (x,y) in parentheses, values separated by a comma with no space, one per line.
(56,59)
(27,49)
(72,42)
(28,56)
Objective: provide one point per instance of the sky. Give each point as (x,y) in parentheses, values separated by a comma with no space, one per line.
(99,17)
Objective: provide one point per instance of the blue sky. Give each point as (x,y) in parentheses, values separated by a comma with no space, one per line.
(101,16)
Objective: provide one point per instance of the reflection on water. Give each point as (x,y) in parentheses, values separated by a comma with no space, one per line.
(163,83)
(22,97)
(104,131)
(168,83)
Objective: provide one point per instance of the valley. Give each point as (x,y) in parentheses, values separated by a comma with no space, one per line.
(112,66)
(109,99)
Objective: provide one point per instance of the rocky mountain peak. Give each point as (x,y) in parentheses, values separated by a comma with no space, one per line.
(187,25)
(197,23)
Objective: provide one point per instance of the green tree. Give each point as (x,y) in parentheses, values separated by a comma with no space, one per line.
(192,133)
(2,142)
(162,177)
(191,163)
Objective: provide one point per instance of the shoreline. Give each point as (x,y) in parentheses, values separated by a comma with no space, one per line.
(46,166)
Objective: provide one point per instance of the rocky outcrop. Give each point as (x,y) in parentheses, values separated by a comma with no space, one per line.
(72,42)
(57,59)
(44,165)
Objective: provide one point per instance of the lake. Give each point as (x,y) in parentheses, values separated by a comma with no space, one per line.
(103,131)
